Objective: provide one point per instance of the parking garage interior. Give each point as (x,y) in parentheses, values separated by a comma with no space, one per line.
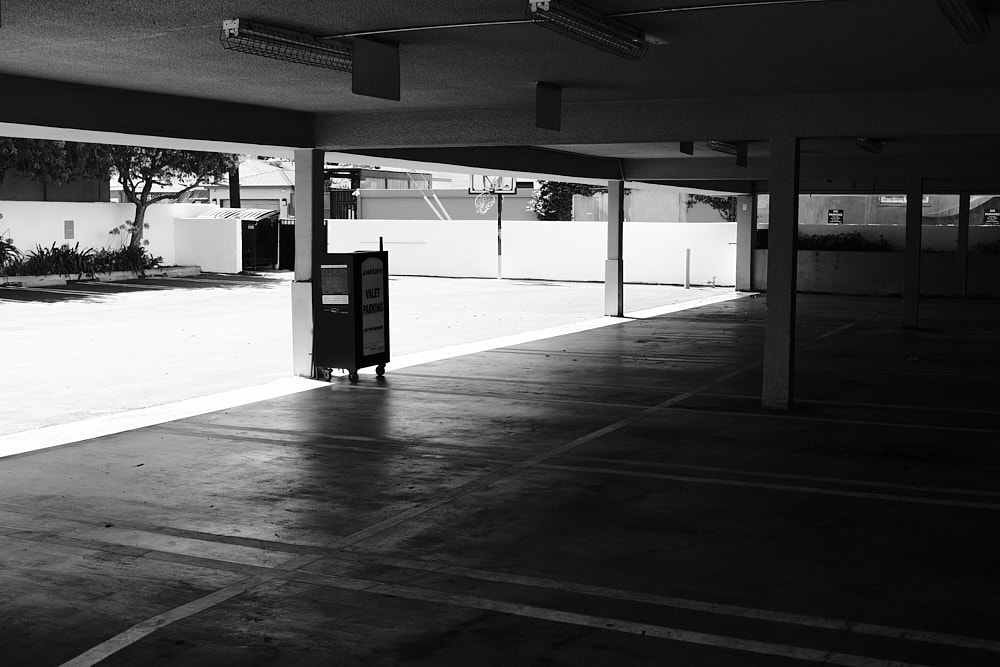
(781,478)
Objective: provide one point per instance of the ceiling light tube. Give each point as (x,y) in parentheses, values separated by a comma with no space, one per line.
(588,26)
(968,19)
(269,41)
(727,147)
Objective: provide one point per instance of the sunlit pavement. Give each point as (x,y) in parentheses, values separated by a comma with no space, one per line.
(89,349)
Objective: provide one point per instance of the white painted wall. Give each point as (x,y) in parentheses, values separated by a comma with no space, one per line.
(554,250)
(42,223)
(654,252)
(458,248)
(214,245)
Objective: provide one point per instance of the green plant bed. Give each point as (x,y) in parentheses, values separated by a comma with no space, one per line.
(68,261)
(852,242)
(987,248)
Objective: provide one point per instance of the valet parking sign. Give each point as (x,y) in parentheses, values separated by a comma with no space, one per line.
(372,306)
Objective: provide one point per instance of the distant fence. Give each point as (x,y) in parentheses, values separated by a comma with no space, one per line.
(653,252)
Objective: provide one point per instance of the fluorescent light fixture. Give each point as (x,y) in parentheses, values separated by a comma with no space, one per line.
(588,26)
(968,18)
(873,146)
(740,149)
(269,41)
(727,147)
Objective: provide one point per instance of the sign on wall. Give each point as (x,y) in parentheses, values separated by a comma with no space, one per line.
(991,216)
(372,307)
(835,216)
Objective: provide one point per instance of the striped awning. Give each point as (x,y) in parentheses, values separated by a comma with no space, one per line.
(241,214)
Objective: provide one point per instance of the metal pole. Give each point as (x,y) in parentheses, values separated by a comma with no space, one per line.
(687,268)
(499,234)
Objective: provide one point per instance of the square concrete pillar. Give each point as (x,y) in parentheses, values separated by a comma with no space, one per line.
(914,239)
(782,264)
(962,251)
(746,229)
(310,240)
(614,273)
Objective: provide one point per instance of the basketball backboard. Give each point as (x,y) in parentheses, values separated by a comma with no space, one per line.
(501,185)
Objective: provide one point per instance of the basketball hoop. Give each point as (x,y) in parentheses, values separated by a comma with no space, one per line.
(484,202)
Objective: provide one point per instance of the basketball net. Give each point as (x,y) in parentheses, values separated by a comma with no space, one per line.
(484,202)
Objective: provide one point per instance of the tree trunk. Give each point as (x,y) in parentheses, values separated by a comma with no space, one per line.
(138,225)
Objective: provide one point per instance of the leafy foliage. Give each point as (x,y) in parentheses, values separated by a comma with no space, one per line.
(54,162)
(726,206)
(137,169)
(10,256)
(68,261)
(852,241)
(987,248)
(554,201)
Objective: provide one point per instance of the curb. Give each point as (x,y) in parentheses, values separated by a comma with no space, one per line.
(111,276)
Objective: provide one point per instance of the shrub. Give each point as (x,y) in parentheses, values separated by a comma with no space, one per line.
(852,241)
(987,247)
(10,256)
(67,261)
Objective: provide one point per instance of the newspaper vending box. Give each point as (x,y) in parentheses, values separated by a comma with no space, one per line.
(351,313)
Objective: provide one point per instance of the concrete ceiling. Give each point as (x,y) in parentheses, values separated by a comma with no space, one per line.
(829,70)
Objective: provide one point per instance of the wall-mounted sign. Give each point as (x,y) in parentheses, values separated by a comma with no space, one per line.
(335,290)
(991,216)
(835,216)
(900,200)
(373,327)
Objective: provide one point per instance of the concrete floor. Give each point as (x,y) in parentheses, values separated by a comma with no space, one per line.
(610,497)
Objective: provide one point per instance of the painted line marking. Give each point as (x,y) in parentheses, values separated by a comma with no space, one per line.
(855,422)
(944,502)
(766,615)
(151,625)
(237,434)
(618,625)
(846,326)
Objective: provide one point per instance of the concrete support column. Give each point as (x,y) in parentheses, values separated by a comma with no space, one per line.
(962,251)
(310,240)
(914,233)
(746,229)
(782,264)
(614,274)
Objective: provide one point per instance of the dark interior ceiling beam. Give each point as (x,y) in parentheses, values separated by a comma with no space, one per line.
(37,102)
(525,159)
(881,114)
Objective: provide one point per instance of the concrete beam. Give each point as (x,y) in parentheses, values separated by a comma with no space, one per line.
(496,159)
(833,115)
(113,115)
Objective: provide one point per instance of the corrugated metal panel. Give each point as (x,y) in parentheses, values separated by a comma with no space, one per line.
(241,214)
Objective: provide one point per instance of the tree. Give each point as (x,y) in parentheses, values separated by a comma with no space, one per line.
(52,162)
(726,206)
(139,169)
(554,201)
